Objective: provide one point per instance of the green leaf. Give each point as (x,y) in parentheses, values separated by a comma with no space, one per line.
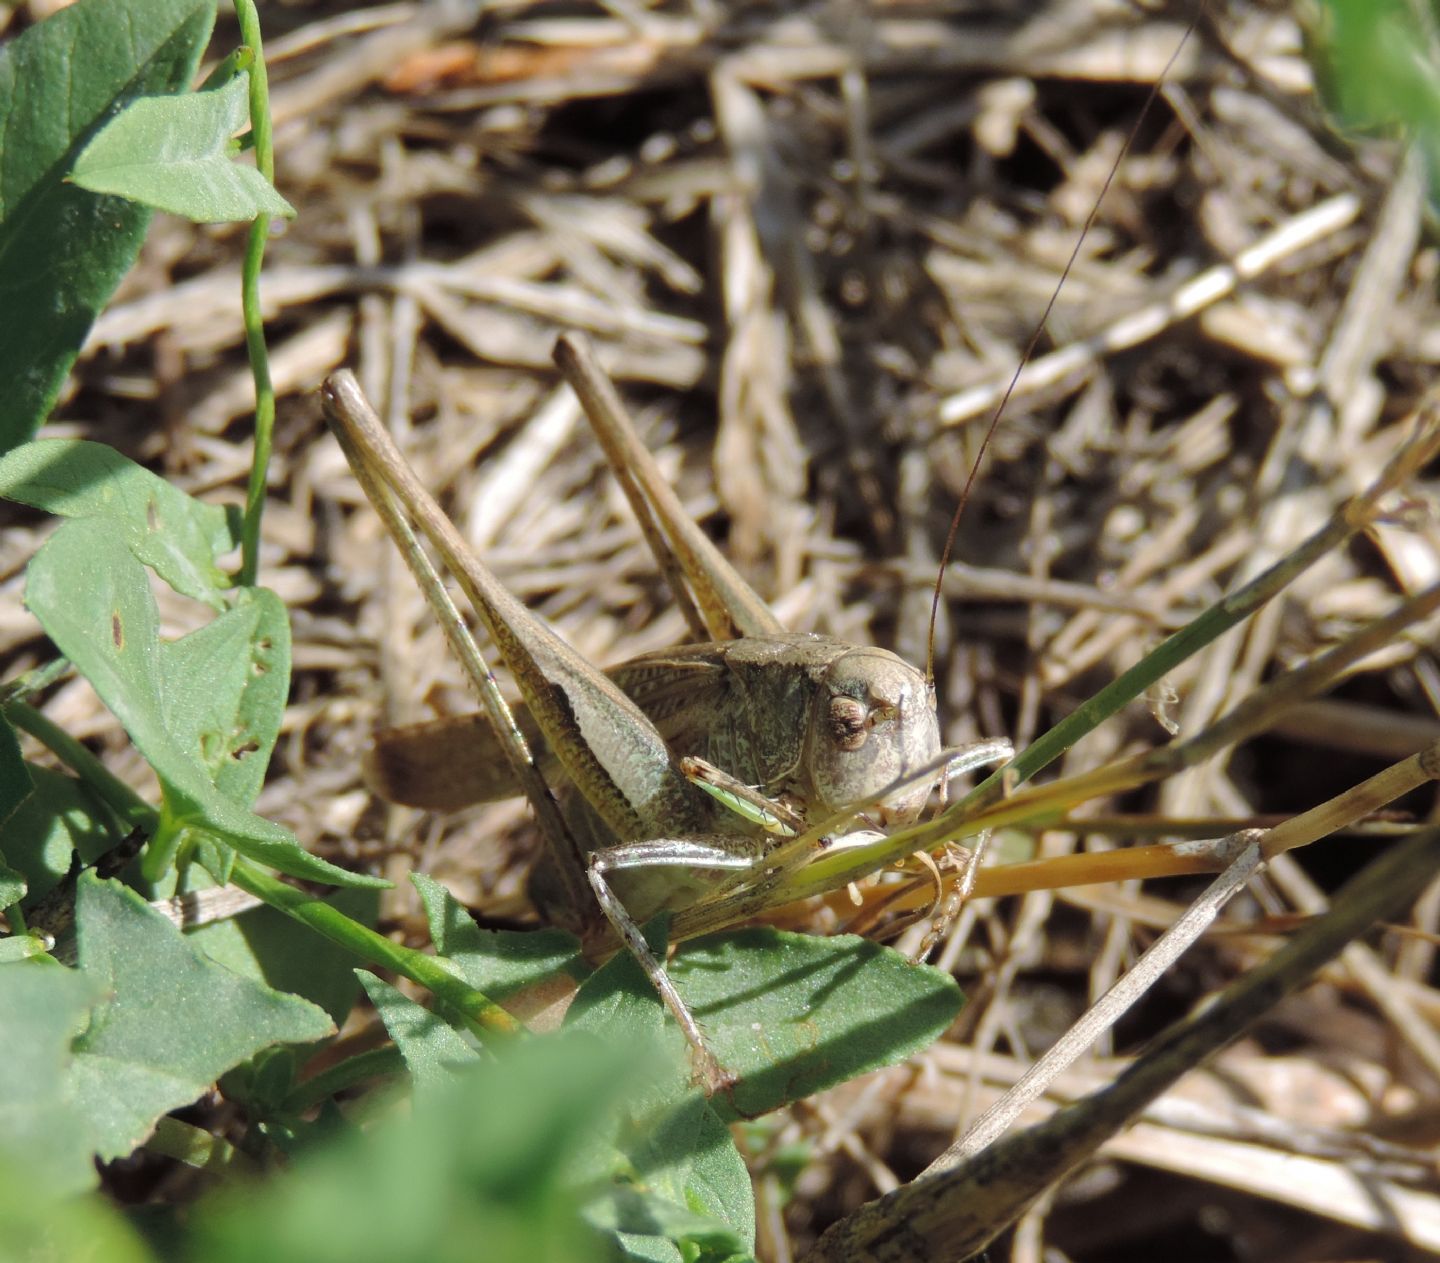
(172,533)
(42,1122)
(12,886)
(20,947)
(43,1225)
(1376,71)
(225,691)
(687,1185)
(790,1014)
(64,249)
(484,1168)
(1370,62)
(681,1150)
(93,598)
(57,822)
(639,1214)
(496,962)
(172,1021)
(793,1014)
(635,1248)
(173,153)
(434,1051)
(675,1140)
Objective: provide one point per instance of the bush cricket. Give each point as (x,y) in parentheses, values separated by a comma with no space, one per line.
(685,764)
(795,734)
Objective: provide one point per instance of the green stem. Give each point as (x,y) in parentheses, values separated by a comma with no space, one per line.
(231,65)
(482,1014)
(250,300)
(486,1018)
(134,812)
(378,1063)
(1214,622)
(162,849)
(33,681)
(198,1148)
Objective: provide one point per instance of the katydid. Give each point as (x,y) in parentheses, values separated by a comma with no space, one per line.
(644,837)
(791,727)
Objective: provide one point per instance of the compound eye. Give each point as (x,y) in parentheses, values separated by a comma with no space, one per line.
(848,721)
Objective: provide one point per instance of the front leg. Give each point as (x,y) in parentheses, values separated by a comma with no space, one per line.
(747,802)
(667,852)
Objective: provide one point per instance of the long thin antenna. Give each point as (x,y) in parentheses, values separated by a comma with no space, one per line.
(1034,342)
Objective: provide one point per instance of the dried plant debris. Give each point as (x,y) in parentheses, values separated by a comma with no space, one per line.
(812,243)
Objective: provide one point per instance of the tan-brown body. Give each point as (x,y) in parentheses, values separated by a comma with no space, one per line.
(811,722)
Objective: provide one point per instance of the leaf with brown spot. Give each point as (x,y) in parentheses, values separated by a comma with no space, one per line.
(84,577)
